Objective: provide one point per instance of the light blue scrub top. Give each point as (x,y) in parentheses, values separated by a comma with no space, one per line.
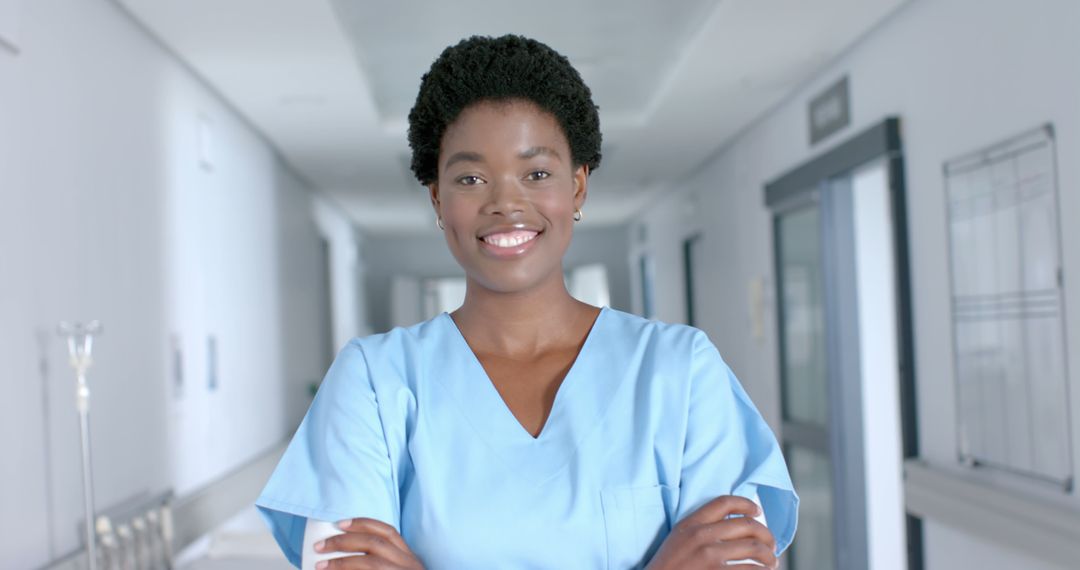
(648,425)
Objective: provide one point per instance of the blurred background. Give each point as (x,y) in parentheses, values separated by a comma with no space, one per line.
(870,206)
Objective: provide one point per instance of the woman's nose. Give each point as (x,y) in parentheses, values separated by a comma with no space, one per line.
(505,197)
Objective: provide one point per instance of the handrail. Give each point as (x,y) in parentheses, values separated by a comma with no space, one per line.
(1021,521)
(201,511)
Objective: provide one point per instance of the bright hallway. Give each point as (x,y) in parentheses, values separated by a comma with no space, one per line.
(870,207)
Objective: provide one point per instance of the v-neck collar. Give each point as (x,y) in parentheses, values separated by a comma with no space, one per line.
(580,402)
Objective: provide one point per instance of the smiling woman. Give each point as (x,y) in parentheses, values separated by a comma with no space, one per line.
(526,429)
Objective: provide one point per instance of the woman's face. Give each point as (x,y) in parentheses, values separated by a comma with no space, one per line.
(507,191)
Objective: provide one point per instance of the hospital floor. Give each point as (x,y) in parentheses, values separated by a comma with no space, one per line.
(241,544)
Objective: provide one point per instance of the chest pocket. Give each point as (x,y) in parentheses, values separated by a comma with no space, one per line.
(635,522)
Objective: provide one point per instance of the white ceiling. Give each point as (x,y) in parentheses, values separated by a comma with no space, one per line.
(330,82)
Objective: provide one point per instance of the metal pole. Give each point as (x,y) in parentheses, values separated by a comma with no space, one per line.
(83,402)
(80,348)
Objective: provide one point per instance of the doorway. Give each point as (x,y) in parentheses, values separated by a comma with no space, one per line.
(325,275)
(844,354)
(691,252)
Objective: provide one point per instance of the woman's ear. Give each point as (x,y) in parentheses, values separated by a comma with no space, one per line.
(581,185)
(433,191)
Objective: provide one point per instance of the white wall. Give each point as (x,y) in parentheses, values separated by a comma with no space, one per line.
(106,213)
(961,74)
(242,264)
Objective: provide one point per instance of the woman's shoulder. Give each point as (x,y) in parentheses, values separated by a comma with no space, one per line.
(393,360)
(636,329)
(399,340)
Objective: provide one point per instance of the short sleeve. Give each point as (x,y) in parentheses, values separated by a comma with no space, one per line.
(730,450)
(337,465)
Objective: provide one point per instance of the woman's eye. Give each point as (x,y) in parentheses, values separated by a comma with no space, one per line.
(538,175)
(469,180)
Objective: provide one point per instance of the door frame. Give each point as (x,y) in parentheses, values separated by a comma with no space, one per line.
(801,187)
(688,244)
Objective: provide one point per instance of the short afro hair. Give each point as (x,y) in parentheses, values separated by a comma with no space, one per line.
(500,69)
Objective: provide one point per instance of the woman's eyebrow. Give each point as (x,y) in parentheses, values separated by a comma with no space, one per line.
(463,156)
(537,151)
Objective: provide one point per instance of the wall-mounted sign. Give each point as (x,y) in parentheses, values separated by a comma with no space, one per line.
(830,111)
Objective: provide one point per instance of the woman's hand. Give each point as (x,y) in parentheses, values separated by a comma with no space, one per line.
(709,539)
(383,547)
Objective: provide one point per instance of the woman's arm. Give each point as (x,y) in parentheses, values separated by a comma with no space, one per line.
(732,472)
(727,531)
(729,449)
(329,546)
(339,463)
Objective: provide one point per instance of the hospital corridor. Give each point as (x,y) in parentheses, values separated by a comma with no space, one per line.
(870,207)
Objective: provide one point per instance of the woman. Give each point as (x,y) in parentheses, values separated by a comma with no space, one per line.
(526,429)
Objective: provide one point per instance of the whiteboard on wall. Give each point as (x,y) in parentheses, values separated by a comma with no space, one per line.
(1007,309)
(10,22)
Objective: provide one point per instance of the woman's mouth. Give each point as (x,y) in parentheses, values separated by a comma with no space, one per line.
(510,243)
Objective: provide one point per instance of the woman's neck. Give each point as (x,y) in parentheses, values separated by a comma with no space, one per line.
(522,323)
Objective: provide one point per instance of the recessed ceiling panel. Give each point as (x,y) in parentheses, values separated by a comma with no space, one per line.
(329,82)
(623,49)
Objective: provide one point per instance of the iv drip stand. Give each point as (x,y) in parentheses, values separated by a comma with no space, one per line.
(80,340)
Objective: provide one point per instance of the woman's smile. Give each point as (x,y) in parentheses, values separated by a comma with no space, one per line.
(509,243)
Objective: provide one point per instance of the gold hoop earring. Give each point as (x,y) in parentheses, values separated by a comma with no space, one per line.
(439,222)
(578,215)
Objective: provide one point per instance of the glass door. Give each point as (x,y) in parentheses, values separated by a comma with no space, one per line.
(844,354)
(804,381)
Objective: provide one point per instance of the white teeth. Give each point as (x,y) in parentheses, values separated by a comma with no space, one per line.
(508,241)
